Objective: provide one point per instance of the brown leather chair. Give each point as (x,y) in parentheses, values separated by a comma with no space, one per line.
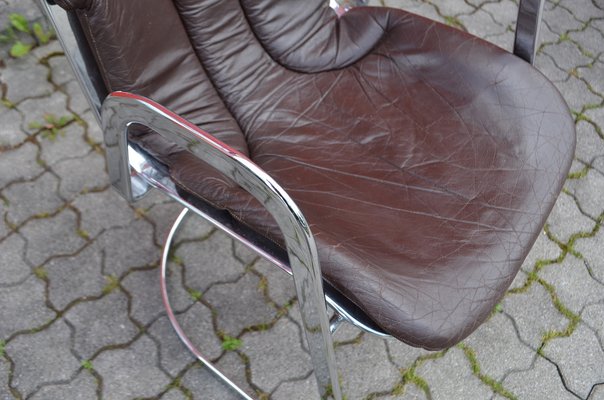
(414,163)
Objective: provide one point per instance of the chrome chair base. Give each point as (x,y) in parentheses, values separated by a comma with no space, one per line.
(172,316)
(335,322)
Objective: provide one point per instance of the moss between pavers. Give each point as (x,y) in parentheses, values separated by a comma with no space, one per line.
(533,276)
(487,380)
(112,284)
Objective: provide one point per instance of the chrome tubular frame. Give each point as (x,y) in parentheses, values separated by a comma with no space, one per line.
(528,25)
(121,110)
(172,316)
(77,51)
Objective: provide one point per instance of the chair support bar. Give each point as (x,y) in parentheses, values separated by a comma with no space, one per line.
(172,317)
(120,110)
(527,29)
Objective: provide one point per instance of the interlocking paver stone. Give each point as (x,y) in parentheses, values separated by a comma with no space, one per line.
(209,261)
(417,7)
(541,382)
(25,78)
(598,164)
(280,285)
(520,280)
(534,314)
(356,361)
(590,40)
(593,316)
(589,191)
(131,372)
(37,357)
(402,354)
(576,93)
(548,67)
(597,393)
(276,355)
(94,131)
(452,8)
(81,175)
(559,20)
(163,215)
(60,71)
(233,363)
(197,324)
(19,164)
(596,115)
(10,129)
(173,394)
(14,269)
(127,247)
(51,236)
(594,76)
(27,199)
(302,389)
(574,293)
(543,249)
(243,253)
(23,8)
(450,377)
(584,10)
(69,144)
(566,219)
(598,24)
(75,277)
(35,110)
(590,145)
(410,392)
(204,385)
(5,393)
(41,52)
(567,55)
(580,359)
(483,22)
(103,210)
(547,36)
(4,229)
(232,319)
(146,295)
(101,323)
(77,103)
(498,349)
(192,228)
(503,12)
(23,307)
(83,387)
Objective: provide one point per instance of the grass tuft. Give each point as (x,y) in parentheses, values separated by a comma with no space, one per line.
(41,273)
(230,343)
(112,284)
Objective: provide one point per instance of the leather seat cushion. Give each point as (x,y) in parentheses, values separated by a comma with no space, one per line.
(426,161)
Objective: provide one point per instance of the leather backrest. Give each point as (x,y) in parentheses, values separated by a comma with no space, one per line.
(145,50)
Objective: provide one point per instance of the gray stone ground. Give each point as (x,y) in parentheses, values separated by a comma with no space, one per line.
(80,314)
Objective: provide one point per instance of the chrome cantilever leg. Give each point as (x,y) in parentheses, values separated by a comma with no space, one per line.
(120,110)
(527,29)
(172,317)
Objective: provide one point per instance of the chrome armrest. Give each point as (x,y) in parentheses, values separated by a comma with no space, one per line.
(121,110)
(527,29)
